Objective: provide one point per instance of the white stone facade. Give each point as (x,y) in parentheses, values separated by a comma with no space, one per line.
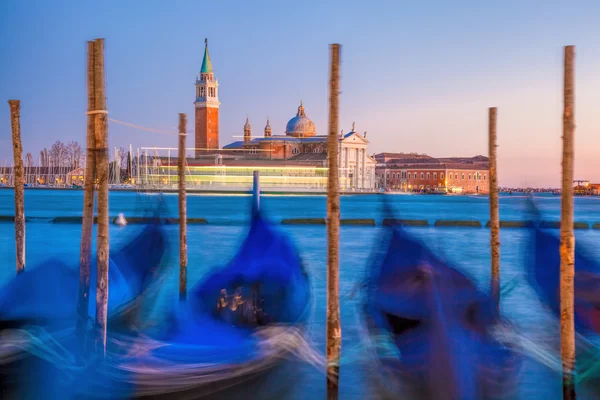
(357,168)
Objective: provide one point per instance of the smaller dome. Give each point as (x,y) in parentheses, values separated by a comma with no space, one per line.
(301,125)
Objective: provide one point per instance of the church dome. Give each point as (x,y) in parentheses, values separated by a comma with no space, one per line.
(300,125)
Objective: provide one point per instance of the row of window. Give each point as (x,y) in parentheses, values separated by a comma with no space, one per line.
(407,175)
(295,150)
(477,176)
(211,92)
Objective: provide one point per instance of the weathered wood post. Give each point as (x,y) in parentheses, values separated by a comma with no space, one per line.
(567,239)
(494,212)
(87,223)
(334,329)
(18,182)
(102,245)
(183,259)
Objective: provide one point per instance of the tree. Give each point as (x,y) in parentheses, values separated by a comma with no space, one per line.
(43,158)
(75,154)
(123,154)
(58,154)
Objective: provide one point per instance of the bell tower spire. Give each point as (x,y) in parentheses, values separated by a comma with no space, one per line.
(247,131)
(207,106)
(268,129)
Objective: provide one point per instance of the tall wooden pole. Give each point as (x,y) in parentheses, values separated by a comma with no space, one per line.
(494,212)
(18,182)
(255,191)
(102,248)
(85,249)
(567,239)
(183,259)
(334,329)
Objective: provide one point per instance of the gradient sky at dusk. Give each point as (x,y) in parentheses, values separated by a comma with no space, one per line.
(417,76)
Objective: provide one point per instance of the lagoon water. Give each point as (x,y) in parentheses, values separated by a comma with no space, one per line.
(214,244)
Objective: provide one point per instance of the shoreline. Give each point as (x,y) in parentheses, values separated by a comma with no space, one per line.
(205,191)
(226,192)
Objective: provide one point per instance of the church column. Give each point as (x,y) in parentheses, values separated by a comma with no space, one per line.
(364,168)
(356,166)
(341,170)
(347,173)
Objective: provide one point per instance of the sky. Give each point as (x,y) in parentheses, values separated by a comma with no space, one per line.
(418,76)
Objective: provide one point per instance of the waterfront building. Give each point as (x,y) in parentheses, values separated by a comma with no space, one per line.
(297,152)
(410,172)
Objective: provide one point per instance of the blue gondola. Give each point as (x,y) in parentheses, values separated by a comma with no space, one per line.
(40,305)
(543,263)
(47,294)
(431,329)
(543,272)
(235,326)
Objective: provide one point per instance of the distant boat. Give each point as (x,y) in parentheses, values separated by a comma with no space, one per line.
(437,190)
(74,186)
(398,192)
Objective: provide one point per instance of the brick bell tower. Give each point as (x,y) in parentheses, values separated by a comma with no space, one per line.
(207,107)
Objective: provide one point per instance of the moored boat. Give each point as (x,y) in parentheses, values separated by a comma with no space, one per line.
(38,314)
(430,330)
(543,266)
(236,326)
(543,273)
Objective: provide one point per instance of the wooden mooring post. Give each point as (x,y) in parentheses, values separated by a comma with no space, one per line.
(255,191)
(85,249)
(102,244)
(18,182)
(183,258)
(567,238)
(494,211)
(334,329)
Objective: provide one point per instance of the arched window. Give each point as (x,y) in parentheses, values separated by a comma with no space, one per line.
(428,175)
(409,175)
(469,176)
(295,150)
(463,176)
(484,177)
(441,175)
(435,175)
(456,176)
